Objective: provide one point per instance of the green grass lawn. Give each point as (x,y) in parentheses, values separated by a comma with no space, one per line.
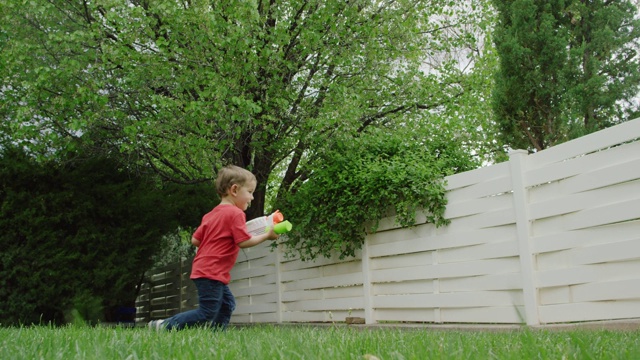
(306,342)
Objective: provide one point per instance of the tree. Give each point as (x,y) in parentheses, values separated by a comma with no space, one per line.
(605,39)
(567,68)
(271,86)
(189,86)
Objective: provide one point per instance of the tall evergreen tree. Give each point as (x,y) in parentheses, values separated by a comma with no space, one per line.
(604,45)
(567,68)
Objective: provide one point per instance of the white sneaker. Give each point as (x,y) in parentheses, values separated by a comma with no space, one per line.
(156,325)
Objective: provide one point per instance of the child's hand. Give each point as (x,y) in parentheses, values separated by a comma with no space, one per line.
(271,235)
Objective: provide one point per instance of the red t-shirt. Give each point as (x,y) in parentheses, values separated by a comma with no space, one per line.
(219,233)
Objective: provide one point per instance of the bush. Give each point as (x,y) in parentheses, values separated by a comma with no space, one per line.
(73,232)
(363,181)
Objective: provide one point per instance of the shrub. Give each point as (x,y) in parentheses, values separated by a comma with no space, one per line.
(76,231)
(363,181)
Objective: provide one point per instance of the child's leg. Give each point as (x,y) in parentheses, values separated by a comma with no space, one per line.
(228,305)
(210,299)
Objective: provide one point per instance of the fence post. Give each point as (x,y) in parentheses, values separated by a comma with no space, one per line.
(149,300)
(366,283)
(142,293)
(517,161)
(180,286)
(278,270)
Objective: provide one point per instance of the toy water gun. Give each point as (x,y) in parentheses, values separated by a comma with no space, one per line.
(262,224)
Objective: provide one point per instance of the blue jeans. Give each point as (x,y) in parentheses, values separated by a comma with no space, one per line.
(216,303)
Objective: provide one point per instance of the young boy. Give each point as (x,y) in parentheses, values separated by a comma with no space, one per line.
(220,236)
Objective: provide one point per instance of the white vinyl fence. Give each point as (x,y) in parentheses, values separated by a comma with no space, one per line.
(546,238)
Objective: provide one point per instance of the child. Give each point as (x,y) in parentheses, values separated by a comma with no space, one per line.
(220,236)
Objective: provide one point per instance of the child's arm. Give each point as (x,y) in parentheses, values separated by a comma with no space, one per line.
(195,242)
(257,239)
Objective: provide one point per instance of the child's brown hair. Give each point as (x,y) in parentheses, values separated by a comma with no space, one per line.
(231,174)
